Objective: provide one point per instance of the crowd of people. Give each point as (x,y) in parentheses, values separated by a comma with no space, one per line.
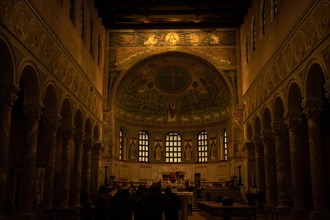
(143,203)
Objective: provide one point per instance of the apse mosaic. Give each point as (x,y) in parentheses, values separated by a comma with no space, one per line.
(173,88)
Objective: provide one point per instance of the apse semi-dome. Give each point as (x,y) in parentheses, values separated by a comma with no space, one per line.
(172,89)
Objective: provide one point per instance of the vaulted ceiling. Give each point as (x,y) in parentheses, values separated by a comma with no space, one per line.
(173,14)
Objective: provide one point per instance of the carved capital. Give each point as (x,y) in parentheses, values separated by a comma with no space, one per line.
(79,137)
(278,128)
(67,131)
(312,108)
(88,142)
(53,122)
(8,97)
(267,135)
(33,113)
(292,119)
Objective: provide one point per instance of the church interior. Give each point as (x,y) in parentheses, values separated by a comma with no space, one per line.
(184,93)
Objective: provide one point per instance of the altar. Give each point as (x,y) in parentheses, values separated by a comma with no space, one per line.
(185,197)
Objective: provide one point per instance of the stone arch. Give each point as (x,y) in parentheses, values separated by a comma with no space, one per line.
(314,82)
(96,133)
(88,128)
(294,98)
(249,131)
(29,82)
(66,113)
(278,109)
(51,103)
(257,126)
(78,121)
(7,67)
(266,119)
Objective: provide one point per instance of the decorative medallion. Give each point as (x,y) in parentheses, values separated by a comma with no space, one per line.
(172,38)
(323,20)
(310,34)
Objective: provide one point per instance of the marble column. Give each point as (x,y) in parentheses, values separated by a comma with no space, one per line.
(260,164)
(293,121)
(281,167)
(313,110)
(51,126)
(27,193)
(270,165)
(77,167)
(7,99)
(96,153)
(66,165)
(87,168)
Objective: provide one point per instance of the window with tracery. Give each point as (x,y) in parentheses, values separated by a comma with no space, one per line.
(225,145)
(173,148)
(202,142)
(121,144)
(143,146)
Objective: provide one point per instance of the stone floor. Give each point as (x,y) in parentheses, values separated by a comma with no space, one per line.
(197,216)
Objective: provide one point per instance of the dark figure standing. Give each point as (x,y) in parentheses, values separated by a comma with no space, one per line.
(154,202)
(102,204)
(122,205)
(139,203)
(172,205)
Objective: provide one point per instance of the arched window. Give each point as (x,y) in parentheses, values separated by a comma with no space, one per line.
(225,145)
(273,8)
(253,35)
(246,49)
(121,144)
(143,146)
(98,49)
(73,10)
(82,21)
(91,45)
(202,142)
(262,18)
(173,146)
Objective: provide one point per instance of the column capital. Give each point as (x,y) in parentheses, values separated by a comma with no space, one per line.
(88,142)
(278,128)
(79,137)
(53,122)
(292,119)
(67,131)
(33,112)
(8,96)
(312,108)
